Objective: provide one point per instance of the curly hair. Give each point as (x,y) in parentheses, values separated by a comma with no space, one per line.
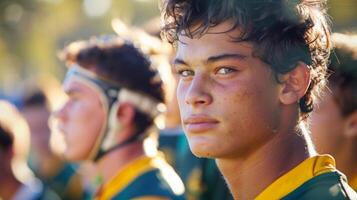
(283,32)
(118,61)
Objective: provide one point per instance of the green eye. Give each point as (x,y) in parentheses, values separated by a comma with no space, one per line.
(186,73)
(225,70)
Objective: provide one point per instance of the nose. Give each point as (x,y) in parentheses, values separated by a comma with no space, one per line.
(198,91)
(59,114)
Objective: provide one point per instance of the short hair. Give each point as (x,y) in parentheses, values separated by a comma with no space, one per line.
(283,32)
(120,62)
(6,138)
(35,98)
(343,67)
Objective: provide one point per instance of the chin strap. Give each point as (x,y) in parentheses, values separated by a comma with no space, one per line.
(111,96)
(132,139)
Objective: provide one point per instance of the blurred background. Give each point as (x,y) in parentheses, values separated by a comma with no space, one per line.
(32,31)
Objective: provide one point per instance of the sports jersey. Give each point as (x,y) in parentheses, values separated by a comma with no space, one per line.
(314,178)
(143,178)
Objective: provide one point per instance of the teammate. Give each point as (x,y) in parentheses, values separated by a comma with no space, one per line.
(114,97)
(334,122)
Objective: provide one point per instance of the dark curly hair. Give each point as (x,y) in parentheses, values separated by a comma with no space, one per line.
(118,61)
(6,138)
(283,32)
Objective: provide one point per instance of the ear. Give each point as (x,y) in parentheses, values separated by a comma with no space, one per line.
(126,114)
(351,125)
(294,84)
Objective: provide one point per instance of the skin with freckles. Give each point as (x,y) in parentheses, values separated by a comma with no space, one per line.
(234,110)
(224,93)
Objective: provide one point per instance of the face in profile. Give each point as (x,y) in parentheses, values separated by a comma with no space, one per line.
(81,119)
(228,99)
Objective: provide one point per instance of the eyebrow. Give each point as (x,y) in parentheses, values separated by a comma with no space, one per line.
(215,58)
(72,91)
(225,56)
(179,61)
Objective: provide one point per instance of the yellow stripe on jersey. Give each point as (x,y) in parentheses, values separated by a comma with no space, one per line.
(125,176)
(305,171)
(151,198)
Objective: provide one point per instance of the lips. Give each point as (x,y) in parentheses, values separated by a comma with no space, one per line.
(199,123)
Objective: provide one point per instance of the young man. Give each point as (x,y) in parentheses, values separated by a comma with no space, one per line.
(249,71)
(114,97)
(334,122)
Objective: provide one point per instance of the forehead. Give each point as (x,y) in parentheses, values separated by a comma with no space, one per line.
(73,85)
(214,42)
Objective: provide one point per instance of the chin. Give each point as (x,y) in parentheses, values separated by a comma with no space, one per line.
(203,154)
(202,150)
(71,156)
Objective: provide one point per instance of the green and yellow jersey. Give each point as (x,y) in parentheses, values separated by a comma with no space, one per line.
(146,178)
(315,178)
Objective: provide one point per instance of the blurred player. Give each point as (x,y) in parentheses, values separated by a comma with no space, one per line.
(334,122)
(114,97)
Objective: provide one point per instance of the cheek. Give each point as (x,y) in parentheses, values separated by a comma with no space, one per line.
(248,102)
(95,117)
(249,108)
(180,94)
(85,119)
(84,133)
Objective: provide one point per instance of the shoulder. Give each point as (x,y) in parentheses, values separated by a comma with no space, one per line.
(327,186)
(151,198)
(151,185)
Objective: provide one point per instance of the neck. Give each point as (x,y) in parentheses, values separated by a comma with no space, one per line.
(8,186)
(48,165)
(248,176)
(110,164)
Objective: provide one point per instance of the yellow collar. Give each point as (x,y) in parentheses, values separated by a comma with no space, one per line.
(125,176)
(306,170)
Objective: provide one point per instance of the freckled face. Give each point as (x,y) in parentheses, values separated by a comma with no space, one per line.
(228,99)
